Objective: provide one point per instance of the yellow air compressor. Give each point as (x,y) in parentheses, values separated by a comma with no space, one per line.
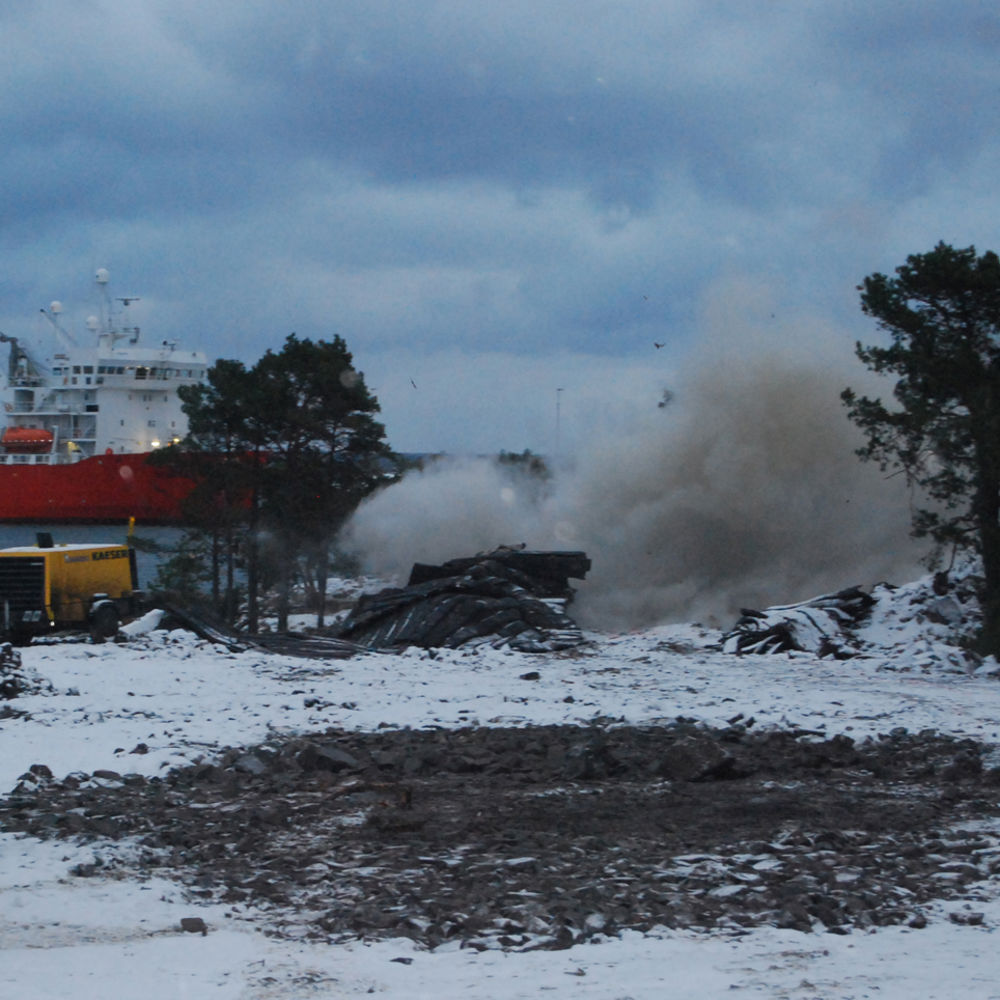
(46,588)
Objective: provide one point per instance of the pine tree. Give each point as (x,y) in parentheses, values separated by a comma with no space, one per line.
(297,447)
(942,313)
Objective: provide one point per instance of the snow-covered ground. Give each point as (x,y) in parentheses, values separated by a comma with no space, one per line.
(164,699)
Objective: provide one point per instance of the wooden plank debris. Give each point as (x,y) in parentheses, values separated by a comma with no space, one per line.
(507,597)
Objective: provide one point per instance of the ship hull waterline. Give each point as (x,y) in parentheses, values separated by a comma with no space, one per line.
(99,489)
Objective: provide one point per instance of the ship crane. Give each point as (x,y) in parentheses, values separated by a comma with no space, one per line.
(65,338)
(21,365)
(12,365)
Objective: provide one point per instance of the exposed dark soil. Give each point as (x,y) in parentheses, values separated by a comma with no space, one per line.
(544,837)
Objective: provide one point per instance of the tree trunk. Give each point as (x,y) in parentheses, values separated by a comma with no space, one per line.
(322,575)
(284,590)
(987,507)
(216,572)
(231,608)
(253,564)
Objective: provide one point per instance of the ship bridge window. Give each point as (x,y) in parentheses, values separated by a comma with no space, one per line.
(88,369)
(141,372)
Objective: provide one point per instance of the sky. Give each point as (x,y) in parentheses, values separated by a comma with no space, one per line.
(502,209)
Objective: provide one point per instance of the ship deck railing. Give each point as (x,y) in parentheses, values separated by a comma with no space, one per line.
(46,458)
(51,410)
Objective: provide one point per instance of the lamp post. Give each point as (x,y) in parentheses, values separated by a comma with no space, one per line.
(558,411)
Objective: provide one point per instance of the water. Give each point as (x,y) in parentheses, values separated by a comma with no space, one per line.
(100,534)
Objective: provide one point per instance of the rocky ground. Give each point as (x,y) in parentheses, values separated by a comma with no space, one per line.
(547,836)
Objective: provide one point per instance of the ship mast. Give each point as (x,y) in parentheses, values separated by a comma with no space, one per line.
(106,326)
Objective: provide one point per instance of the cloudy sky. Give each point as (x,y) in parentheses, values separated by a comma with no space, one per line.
(490,202)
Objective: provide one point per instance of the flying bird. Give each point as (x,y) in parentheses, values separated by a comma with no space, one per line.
(656,345)
(414,384)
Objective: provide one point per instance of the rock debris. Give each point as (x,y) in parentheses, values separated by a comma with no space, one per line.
(545,837)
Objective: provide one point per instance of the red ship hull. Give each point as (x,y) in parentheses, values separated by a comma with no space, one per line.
(104,488)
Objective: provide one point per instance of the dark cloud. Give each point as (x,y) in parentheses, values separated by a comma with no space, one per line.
(533,187)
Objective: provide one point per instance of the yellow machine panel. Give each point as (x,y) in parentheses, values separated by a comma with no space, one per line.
(76,574)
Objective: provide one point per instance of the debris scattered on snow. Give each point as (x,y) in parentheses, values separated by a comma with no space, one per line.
(821,625)
(203,627)
(547,837)
(15,678)
(930,620)
(507,597)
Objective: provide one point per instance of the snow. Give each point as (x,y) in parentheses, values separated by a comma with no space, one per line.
(163,699)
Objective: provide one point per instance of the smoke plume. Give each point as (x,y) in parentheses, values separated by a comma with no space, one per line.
(742,490)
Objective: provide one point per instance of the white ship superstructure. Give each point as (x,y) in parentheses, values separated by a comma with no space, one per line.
(115,397)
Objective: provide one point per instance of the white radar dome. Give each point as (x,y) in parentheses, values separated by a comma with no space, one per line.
(55,306)
(102,276)
(92,322)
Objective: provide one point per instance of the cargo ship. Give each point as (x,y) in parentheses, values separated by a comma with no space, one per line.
(78,432)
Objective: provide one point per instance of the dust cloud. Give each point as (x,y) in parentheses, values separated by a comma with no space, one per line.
(742,491)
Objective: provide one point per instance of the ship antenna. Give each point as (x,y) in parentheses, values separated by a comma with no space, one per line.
(132,332)
(102,277)
(107,313)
